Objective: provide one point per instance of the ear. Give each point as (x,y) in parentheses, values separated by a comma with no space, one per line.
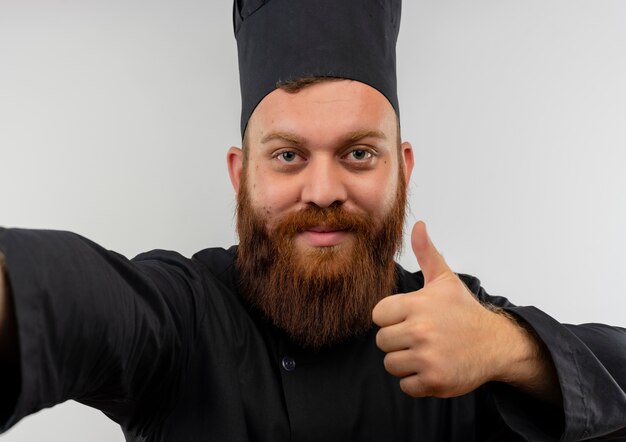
(407,156)
(234,159)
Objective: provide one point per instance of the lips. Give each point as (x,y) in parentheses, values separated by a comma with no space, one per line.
(323,229)
(323,236)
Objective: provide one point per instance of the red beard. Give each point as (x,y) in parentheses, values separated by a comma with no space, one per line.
(326,295)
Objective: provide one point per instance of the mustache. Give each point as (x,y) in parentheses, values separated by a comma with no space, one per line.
(333,217)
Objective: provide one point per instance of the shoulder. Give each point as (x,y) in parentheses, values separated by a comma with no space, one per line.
(216,260)
(205,268)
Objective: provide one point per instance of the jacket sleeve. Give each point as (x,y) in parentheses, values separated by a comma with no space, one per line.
(590,361)
(95,327)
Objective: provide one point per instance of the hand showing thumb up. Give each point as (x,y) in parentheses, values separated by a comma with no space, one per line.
(439,340)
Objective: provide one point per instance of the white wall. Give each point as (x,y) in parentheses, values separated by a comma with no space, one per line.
(115,118)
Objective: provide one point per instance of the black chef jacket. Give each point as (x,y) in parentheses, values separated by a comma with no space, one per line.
(166,347)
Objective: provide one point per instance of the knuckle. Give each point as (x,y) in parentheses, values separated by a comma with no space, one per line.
(413,330)
(420,332)
(432,369)
(411,387)
(417,331)
(389,363)
(406,387)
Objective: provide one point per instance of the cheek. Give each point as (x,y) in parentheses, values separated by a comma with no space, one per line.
(375,199)
(270,194)
(376,194)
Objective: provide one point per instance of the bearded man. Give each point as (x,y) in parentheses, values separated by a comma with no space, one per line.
(304,331)
(319,227)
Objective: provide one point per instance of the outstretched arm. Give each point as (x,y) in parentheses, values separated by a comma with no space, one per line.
(8,338)
(84,323)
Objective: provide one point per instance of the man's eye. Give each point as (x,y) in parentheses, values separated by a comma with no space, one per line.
(288,156)
(359,155)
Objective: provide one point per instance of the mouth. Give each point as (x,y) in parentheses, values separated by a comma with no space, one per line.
(322,236)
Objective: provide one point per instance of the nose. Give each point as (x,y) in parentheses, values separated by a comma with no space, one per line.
(324,184)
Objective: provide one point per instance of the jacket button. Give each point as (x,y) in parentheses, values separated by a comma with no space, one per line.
(288,363)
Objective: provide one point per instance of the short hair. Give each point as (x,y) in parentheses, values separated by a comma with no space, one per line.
(294,86)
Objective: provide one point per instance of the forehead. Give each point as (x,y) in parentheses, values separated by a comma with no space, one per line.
(323,112)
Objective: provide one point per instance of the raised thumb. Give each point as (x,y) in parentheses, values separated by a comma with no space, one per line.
(430,261)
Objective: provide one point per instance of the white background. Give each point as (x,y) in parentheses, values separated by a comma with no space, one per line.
(115,118)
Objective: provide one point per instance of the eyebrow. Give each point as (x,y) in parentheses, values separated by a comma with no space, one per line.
(366,133)
(298,141)
(285,136)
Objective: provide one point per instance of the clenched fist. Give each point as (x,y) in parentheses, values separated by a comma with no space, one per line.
(442,342)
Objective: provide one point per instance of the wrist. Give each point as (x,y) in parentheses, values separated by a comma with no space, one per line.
(518,351)
(522,360)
